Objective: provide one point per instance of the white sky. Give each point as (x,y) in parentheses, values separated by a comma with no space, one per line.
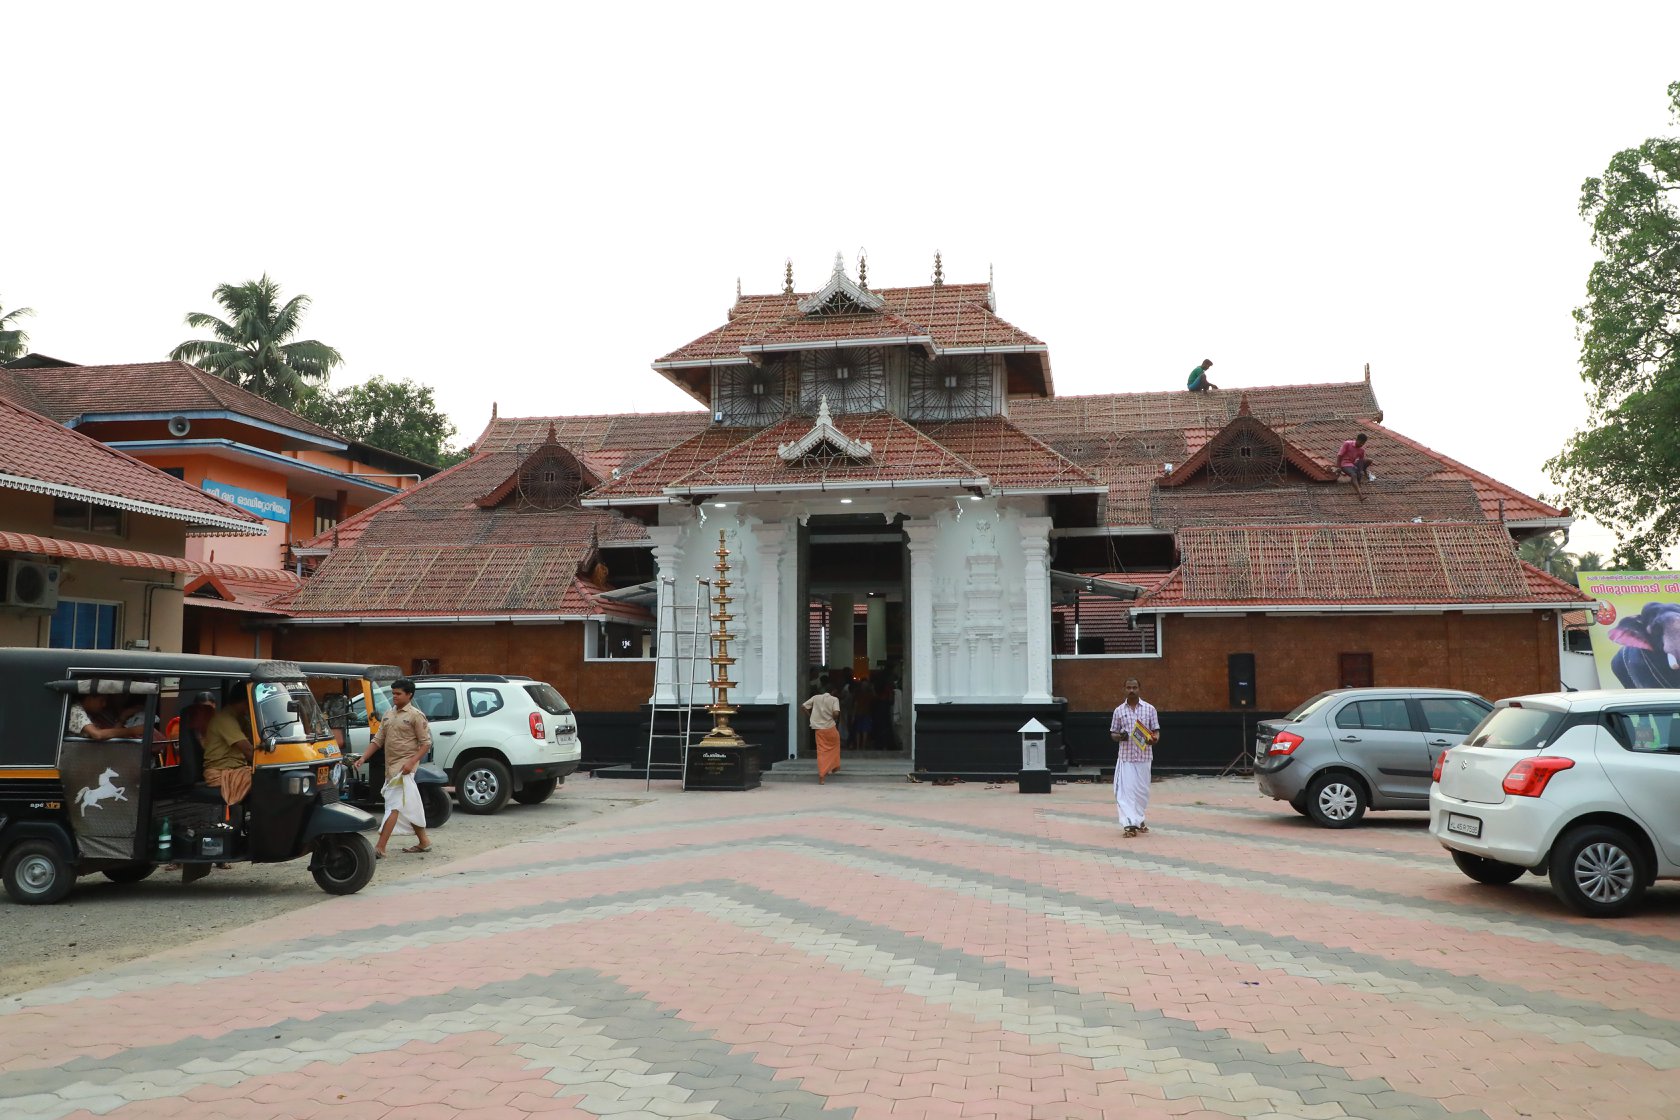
(527,204)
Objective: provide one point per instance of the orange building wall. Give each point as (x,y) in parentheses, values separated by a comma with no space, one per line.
(218,632)
(551,652)
(1496,655)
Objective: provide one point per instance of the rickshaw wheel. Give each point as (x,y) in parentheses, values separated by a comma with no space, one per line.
(437,804)
(36,873)
(133,873)
(343,863)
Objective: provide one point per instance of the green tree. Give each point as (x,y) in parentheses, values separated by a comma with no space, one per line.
(253,347)
(1546,553)
(14,343)
(1589,562)
(399,416)
(1620,467)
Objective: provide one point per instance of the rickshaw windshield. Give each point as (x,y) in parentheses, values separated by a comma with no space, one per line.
(382,701)
(289,712)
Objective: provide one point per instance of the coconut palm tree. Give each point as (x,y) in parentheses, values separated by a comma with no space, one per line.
(253,346)
(1544,552)
(13,342)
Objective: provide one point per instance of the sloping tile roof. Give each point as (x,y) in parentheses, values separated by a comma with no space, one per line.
(1375,565)
(66,393)
(219,591)
(1011,458)
(1390,502)
(1497,498)
(39,455)
(623,433)
(1058,419)
(422,580)
(1246,425)
(29,544)
(650,478)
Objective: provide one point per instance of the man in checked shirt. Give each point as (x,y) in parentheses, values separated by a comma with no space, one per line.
(1136,728)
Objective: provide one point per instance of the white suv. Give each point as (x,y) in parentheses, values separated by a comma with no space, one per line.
(498,737)
(1582,786)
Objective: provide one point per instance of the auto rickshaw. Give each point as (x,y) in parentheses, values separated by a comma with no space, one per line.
(354,698)
(121,802)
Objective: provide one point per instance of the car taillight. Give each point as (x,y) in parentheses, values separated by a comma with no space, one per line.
(538,731)
(1440,761)
(1285,743)
(1528,778)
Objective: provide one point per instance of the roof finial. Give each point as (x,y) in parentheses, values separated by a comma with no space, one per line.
(938,270)
(492,410)
(863,270)
(839,262)
(737,289)
(553,436)
(1367,373)
(787,278)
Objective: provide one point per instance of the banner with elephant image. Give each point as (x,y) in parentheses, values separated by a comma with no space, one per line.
(1636,628)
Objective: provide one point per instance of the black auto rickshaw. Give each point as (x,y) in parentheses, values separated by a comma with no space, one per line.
(77,797)
(355,698)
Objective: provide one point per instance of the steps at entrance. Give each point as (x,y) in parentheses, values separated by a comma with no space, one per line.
(877,767)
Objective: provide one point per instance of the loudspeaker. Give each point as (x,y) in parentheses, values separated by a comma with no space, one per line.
(1239,670)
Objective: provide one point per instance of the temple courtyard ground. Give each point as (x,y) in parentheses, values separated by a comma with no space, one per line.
(885,951)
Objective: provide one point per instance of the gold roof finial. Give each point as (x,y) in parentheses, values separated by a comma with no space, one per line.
(863,270)
(938,269)
(787,278)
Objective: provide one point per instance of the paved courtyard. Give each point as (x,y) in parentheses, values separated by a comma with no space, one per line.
(889,951)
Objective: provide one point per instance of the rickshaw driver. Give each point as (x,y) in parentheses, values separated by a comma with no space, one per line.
(228,750)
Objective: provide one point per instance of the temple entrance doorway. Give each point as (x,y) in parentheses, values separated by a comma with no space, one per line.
(857,630)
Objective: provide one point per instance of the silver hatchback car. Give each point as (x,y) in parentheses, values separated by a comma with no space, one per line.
(1352,749)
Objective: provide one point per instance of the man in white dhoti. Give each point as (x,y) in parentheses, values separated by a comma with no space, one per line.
(405,737)
(1136,728)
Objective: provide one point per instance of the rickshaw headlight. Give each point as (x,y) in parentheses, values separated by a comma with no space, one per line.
(300,784)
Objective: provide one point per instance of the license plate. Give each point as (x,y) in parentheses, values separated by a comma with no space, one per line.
(1466,826)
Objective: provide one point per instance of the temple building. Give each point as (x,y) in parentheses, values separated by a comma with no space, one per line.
(904,495)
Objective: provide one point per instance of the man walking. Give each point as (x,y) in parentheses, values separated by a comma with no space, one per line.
(405,737)
(1136,728)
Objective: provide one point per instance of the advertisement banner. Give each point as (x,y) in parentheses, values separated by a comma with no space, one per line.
(265,506)
(1636,629)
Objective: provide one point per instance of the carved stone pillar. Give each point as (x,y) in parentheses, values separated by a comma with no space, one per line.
(667,554)
(772,539)
(1035,549)
(922,538)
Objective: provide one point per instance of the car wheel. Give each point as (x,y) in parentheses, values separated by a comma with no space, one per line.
(1335,801)
(1598,871)
(482,786)
(535,793)
(437,805)
(133,873)
(343,862)
(1491,871)
(36,873)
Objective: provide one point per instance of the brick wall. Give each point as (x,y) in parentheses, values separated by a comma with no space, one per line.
(550,652)
(1495,655)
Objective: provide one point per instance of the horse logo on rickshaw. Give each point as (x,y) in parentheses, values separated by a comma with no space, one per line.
(106,790)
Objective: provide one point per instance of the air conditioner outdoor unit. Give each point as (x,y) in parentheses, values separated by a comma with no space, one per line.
(30,585)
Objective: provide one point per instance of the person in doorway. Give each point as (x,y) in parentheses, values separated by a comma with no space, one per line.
(405,737)
(861,712)
(1351,461)
(1136,727)
(824,707)
(1198,382)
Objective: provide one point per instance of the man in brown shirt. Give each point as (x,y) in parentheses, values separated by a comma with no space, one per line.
(405,737)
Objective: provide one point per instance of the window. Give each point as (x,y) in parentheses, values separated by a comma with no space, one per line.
(176,472)
(1517,729)
(483,701)
(1356,671)
(437,704)
(77,624)
(547,699)
(327,514)
(1647,731)
(1577,641)
(68,513)
(618,641)
(421,665)
(1375,715)
(1094,624)
(1452,714)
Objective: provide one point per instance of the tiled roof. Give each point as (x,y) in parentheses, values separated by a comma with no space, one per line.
(1366,565)
(1059,419)
(428,579)
(1246,426)
(1011,458)
(624,434)
(1497,498)
(39,455)
(66,393)
(218,591)
(56,548)
(1336,503)
(650,478)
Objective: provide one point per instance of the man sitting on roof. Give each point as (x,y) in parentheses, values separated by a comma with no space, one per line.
(228,750)
(1198,377)
(1352,462)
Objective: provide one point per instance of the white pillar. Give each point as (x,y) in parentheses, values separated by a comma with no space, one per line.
(1035,548)
(840,631)
(921,536)
(771,538)
(667,554)
(876,634)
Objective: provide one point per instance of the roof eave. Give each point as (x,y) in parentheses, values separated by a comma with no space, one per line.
(200,524)
(1356,608)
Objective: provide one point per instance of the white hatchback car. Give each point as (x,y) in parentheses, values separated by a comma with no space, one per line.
(497,736)
(1581,786)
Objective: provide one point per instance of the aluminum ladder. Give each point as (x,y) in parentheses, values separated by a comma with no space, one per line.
(679,648)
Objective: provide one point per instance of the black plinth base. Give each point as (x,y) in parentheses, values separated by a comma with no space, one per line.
(733,767)
(1033,781)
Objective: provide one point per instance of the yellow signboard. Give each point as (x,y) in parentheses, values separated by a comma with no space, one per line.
(1636,628)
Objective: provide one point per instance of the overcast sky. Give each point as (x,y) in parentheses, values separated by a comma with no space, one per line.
(527,204)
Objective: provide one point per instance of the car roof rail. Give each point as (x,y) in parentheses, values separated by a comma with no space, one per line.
(496,678)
